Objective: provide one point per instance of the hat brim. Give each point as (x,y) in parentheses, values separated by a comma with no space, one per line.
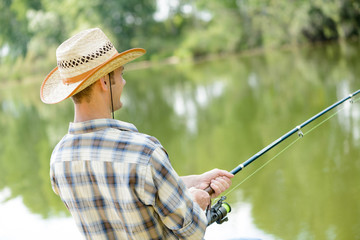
(54,90)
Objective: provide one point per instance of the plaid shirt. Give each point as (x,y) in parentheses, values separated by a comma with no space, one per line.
(119,184)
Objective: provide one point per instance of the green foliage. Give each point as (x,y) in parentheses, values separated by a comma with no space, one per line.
(191,29)
(14,25)
(247,24)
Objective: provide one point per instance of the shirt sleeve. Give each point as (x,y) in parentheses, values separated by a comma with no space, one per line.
(172,200)
(53,181)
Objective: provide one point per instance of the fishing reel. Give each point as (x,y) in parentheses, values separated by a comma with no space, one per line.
(217,213)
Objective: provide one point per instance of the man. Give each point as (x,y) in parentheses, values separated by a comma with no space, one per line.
(116,182)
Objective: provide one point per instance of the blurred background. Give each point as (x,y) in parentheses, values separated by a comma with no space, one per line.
(220,81)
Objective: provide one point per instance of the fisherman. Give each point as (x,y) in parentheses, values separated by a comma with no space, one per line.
(116,182)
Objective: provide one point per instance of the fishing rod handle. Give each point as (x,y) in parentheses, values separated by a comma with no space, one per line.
(209,190)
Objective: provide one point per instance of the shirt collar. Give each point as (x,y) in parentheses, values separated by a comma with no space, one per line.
(100,124)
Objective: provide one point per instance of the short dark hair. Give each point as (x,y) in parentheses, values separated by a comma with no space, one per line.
(84,94)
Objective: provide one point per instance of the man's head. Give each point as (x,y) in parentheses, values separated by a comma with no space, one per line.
(82,60)
(102,98)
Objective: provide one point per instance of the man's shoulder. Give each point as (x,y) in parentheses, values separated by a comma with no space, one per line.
(138,138)
(130,132)
(150,146)
(148,138)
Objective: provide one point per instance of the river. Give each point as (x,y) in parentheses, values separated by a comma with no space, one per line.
(213,114)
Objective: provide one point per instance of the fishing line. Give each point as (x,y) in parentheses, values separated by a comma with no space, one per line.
(218,212)
(288,146)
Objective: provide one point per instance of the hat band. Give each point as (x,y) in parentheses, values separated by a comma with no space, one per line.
(78,78)
(84,75)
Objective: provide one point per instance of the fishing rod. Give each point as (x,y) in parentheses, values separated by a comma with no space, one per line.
(218,212)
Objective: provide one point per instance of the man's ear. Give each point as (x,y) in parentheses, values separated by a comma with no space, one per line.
(104,83)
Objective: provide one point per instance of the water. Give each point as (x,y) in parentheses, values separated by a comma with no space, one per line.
(214,114)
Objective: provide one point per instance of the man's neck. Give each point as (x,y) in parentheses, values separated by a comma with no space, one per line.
(86,112)
(96,107)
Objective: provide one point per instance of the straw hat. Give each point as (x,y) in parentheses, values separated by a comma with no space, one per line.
(82,60)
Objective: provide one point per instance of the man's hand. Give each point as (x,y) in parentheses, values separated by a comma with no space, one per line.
(200,197)
(218,180)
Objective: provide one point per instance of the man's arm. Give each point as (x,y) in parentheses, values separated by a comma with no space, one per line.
(172,200)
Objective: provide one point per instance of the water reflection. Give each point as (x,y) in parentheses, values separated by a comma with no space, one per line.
(241,226)
(350,116)
(218,114)
(33,226)
(188,101)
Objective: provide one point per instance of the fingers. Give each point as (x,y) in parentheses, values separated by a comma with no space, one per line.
(219,185)
(200,197)
(219,180)
(224,173)
(219,173)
